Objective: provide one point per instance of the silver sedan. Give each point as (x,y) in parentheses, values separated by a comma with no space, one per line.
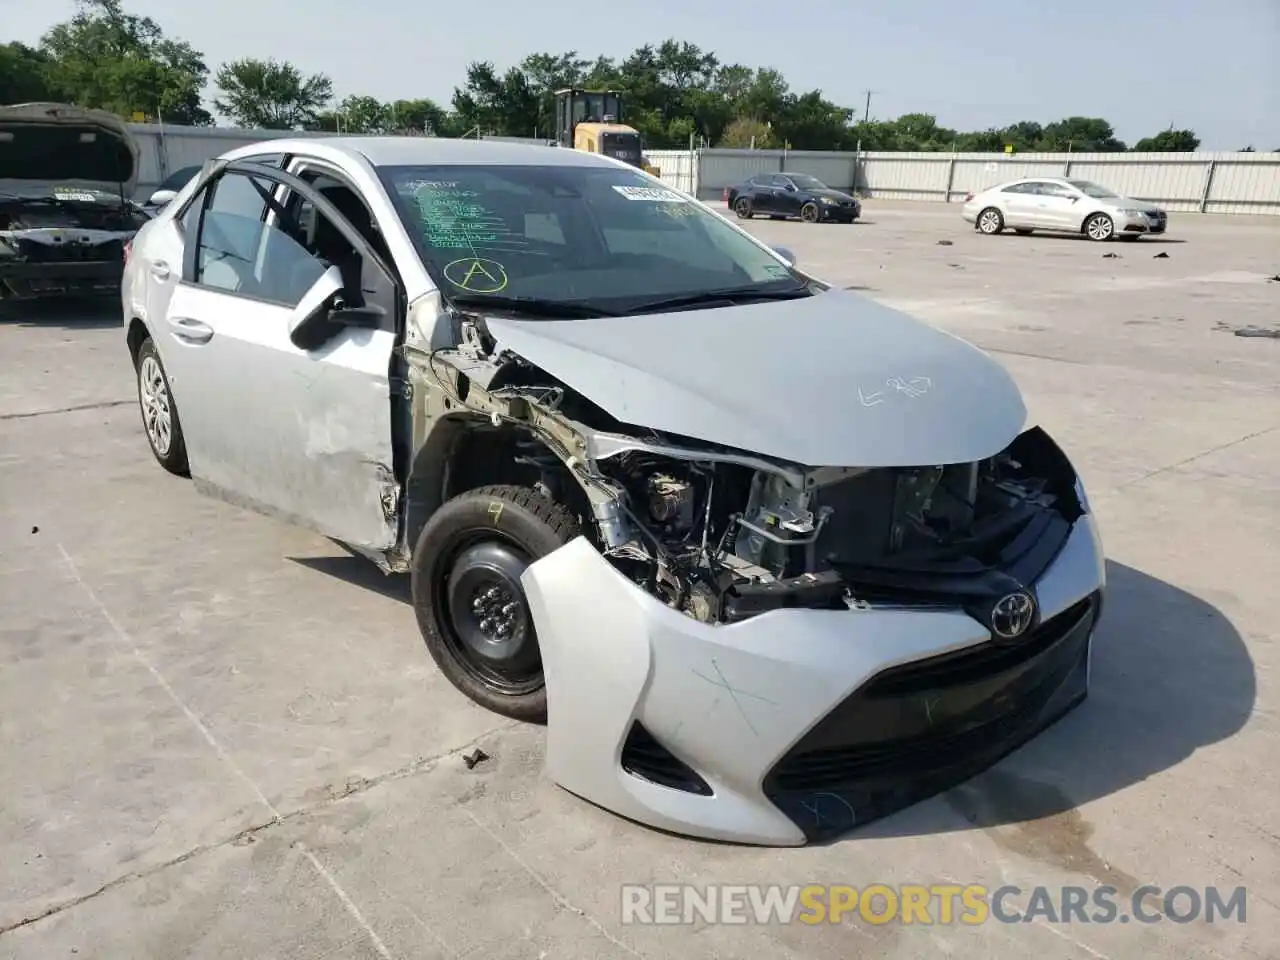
(1062,206)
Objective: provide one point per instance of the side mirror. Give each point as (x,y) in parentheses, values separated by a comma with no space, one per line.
(786,255)
(791,188)
(161,197)
(311,315)
(368,317)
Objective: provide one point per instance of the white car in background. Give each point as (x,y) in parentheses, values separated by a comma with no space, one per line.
(1062,206)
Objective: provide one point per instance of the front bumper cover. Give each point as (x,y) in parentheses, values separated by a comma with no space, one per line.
(795,723)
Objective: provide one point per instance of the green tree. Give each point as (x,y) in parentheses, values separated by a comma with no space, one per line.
(270,95)
(1080,135)
(546,73)
(26,75)
(422,117)
(505,105)
(1169,141)
(747,132)
(103,57)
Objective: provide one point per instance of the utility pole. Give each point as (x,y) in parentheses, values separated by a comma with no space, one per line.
(866,115)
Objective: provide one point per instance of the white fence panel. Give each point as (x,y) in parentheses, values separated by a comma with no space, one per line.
(676,167)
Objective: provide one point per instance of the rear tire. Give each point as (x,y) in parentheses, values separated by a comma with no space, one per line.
(990,221)
(742,207)
(159,413)
(810,213)
(469,601)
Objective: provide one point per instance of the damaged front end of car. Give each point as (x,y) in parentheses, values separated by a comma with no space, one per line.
(745,648)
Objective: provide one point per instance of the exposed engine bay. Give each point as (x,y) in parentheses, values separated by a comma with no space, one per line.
(20,215)
(723,535)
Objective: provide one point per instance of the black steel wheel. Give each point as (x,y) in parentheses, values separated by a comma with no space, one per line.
(469,602)
(742,207)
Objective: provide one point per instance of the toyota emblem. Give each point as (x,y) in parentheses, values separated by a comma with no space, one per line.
(1012,615)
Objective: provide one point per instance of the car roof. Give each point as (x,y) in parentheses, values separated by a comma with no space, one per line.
(428,151)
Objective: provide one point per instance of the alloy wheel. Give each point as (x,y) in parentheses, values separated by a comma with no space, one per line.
(1100,227)
(157,415)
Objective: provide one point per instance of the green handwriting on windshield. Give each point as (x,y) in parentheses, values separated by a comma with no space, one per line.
(453,218)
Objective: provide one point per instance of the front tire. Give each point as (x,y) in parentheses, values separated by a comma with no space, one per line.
(159,412)
(742,207)
(809,213)
(990,221)
(469,602)
(1099,228)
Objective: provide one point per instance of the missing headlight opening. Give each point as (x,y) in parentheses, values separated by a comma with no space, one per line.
(723,535)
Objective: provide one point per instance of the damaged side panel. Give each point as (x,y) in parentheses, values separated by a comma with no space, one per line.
(302,435)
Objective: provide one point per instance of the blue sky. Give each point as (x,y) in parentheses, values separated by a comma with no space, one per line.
(1211,65)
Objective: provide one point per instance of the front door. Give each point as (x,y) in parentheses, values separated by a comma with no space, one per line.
(302,433)
(786,197)
(1058,206)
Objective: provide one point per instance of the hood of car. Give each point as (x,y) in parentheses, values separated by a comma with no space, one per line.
(59,145)
(829,380)
(1129,203)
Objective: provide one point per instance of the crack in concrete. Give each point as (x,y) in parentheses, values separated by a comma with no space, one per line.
(103,405)
(1200,456)
(353,787)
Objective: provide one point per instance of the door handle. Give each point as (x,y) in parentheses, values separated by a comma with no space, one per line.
(190,331)
(160,269)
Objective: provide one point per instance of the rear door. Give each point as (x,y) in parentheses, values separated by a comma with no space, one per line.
(762,199)
(162,253)
(1019,204)
(299,432)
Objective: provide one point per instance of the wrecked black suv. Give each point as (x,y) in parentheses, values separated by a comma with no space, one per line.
(67,177)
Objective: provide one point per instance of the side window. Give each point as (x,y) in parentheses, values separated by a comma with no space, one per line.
(1019,188)
(240,254)
(1057,190)
(781,183)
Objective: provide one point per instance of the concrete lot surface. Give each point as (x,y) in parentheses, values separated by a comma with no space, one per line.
(222,737)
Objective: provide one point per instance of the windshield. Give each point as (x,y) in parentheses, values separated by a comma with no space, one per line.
(1092,189)
(586,236)
(806,182)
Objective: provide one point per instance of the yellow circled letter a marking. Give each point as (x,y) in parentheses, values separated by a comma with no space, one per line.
(478,268)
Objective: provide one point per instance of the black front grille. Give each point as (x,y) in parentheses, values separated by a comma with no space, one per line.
(922,727)
(643,756)
(973,664)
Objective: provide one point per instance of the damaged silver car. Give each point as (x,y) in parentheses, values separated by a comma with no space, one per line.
(770,559)
(67,177)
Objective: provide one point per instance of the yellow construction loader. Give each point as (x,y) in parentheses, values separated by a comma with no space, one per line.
(590,120)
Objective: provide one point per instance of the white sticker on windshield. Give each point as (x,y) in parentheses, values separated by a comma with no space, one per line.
(652,194)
